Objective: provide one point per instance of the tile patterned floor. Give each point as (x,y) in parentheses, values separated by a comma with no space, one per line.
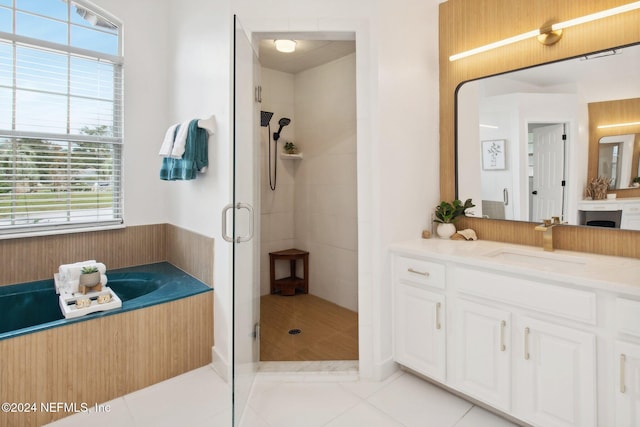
(297,399)
(328,331)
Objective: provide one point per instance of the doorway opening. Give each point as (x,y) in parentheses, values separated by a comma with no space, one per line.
(308,198)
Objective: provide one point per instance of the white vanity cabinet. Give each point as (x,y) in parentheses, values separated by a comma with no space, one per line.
(631,217)
(554,374)
(522,344)
(419,326)
(627,368)
(539,371)
(480,356)
(626,362)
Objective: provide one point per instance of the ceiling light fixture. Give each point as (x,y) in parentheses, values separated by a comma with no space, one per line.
(549,33)
(618,125)
(286,46)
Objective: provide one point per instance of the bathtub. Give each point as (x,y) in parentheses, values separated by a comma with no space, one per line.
(31,307)
(164,328)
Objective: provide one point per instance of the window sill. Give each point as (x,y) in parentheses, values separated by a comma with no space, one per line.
(59,232)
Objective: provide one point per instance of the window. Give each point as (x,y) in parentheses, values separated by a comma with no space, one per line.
(60,116)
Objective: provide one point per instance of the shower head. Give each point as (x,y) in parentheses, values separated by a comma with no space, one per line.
(282,122)
(265,118)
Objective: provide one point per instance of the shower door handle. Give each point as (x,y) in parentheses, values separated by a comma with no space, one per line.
(249,236)
(225,236)
(238,206)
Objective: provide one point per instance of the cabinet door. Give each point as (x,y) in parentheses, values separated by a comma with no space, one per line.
(480,363)
(555,375)
(419,332)
(627,360)
(630,222)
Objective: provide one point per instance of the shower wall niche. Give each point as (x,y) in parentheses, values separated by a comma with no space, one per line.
(314,205)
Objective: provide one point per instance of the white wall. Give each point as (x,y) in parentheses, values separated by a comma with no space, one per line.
(200,85)
(277,224)
(325,182)
(146,97)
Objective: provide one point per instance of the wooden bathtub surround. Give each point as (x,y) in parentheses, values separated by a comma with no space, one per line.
(100,359)
(190,252)
(466,24)
(37,258)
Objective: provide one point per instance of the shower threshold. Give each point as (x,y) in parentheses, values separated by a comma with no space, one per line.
(321,370)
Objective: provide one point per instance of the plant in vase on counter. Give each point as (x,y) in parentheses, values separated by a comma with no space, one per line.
(446,213)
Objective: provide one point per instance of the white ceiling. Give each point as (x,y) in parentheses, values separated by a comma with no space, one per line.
(621,67)
(308,54)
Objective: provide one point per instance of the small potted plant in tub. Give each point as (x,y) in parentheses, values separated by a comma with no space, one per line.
(446,213)
(89,277)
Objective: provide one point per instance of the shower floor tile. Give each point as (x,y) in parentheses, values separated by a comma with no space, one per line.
(328,331)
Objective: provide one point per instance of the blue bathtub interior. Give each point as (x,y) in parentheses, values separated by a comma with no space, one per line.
(33,306)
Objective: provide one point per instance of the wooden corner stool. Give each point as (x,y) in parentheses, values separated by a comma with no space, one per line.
(288,285)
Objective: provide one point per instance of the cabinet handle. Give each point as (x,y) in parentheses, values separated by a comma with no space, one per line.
(623,359)
(526,343)
(422,273)
(503,325)
(438,325)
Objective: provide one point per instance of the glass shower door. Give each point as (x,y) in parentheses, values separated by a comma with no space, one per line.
(246,292)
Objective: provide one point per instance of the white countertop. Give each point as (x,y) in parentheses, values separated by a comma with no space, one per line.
(616,274)
(610,201)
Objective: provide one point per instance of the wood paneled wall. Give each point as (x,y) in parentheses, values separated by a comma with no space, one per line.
(191,252)
(37,258)
(100,359)
(611,112)
(466,24)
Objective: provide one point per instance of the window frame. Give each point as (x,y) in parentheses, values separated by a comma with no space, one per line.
(115,142)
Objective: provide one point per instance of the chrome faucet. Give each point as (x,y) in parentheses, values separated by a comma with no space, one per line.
(547,232)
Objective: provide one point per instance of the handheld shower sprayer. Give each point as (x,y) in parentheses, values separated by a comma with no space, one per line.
(282,122)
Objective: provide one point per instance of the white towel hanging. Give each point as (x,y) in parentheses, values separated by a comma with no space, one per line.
(167,143)
(208,124)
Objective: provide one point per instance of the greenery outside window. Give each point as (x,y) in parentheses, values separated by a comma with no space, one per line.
(60,117)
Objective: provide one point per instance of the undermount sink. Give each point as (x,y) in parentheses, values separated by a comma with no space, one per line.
(540,260)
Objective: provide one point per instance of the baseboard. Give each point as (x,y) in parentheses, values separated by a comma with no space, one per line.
(220,364)
(384,369)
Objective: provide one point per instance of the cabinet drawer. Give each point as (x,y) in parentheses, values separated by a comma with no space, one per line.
(628,316)
(420,272)
(543,297)
(631,209)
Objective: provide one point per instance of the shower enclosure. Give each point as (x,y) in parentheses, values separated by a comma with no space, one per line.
(246,307)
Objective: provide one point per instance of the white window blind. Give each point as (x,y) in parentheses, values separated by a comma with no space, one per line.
(60,117)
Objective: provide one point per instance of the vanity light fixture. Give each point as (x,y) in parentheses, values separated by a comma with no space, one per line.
(489,126)
(285,46)
(618,125)
(549,33)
